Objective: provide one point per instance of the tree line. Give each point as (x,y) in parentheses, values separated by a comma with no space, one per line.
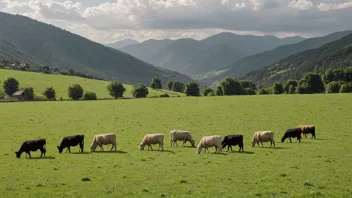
(75,92)
(333,81)
(16,65)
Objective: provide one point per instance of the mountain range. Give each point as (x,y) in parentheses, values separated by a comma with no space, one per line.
(193,57)
(122,43)
(336,54)
(25,39)
(263,59)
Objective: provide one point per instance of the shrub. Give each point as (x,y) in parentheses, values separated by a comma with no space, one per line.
(140,91)
(247,84)
(191,89)
(291,89)
(278,88)
(75,92)
(249,91)
(231,86)
(170,84)
(49,93)
(219,91)
(89,96)
(116,89)
(346,88)
(333,87)
(156,83)
(207,90)
(289,83)
(212,93)
(29,93)
(301,90)
(10,86)
(178,86)
(313,83)
(2,94)
(263,91)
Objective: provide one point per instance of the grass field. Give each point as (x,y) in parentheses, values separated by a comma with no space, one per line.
(313,168)
(60,83)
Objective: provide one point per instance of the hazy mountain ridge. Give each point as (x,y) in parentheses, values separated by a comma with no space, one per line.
(185,55)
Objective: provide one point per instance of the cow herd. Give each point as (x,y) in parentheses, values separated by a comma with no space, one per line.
(175,135)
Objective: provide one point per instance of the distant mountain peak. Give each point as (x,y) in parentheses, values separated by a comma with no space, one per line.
(123,43)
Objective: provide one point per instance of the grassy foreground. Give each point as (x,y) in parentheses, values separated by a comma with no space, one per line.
(313,168)
(60,83)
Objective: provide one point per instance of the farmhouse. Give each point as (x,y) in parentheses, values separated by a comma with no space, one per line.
(21,94)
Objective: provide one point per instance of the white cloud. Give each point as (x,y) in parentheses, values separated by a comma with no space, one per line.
(328,6)
(301,4)
(111,20)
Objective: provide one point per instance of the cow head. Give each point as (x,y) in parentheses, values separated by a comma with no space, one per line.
(93,147)
(18,154)
(283,139)
(141,147)
(60,149)
(253,144)
(192,142)
(199,149)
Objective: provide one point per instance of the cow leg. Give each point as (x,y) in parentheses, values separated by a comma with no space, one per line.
(29,154)
(262,144)
(42,151)
(290,139)
(80,148)
(69,149)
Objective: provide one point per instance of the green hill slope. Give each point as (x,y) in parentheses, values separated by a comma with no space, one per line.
(260,60)
(61,49)
(60,83)
(337,55)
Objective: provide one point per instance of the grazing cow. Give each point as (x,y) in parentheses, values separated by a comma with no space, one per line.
(103,139)
(150,139)
(233,140)
(292,133)
(32,145)
(263,136)
(306,129)
(209,141)
(69,141)
(177,135)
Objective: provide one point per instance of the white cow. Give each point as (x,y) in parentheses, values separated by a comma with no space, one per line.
(178,135)
(103,139)
(150,139)
(263,136)
(210,141)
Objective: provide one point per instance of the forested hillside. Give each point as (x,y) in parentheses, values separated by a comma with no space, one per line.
(43,44)
(261,60)
(335,55)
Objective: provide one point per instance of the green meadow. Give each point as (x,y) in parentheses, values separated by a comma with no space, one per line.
(314,168)
(60,83)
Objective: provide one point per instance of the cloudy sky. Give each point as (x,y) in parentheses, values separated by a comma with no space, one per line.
(107,21)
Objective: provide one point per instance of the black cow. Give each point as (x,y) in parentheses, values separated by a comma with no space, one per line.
(292,133)
(32,145)
(69,141)
(232,140)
